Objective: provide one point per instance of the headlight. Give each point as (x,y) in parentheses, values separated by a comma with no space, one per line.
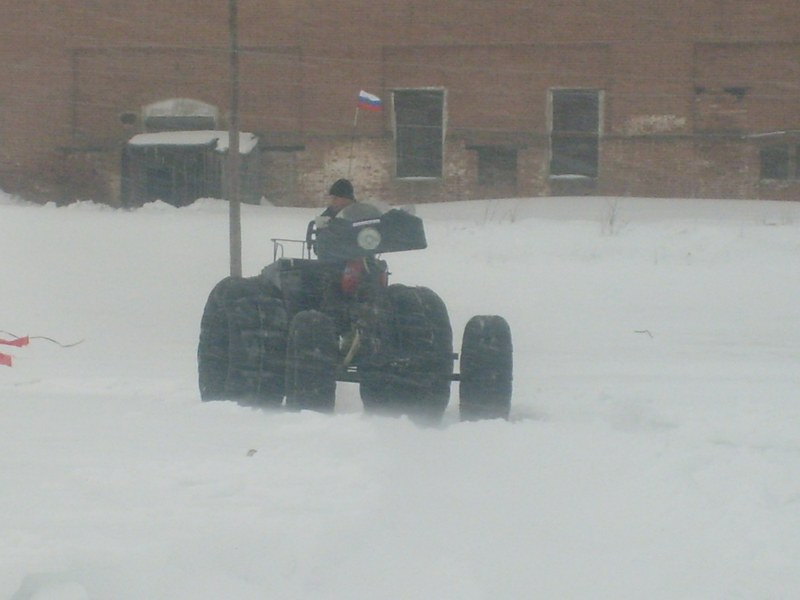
(368,238)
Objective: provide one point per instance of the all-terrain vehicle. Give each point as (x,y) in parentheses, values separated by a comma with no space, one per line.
(305,323)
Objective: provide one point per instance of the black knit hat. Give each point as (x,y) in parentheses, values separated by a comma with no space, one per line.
(342,188)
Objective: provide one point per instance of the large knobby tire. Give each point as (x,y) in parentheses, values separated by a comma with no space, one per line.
(212,349)
(242,347)
(486,369)
(312,357)
(416,378)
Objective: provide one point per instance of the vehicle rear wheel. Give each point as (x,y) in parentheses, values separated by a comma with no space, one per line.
(212,349)
(311,362)
(486,369)
(415,379)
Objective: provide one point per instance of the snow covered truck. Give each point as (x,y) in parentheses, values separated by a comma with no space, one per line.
(291,332)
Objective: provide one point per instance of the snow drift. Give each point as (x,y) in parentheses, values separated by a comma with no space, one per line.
(652,450)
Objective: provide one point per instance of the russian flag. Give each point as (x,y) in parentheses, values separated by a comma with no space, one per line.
(369,101)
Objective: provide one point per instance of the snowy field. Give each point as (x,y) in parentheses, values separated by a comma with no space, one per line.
(653,451)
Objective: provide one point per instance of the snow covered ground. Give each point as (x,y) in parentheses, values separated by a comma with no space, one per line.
(653,451)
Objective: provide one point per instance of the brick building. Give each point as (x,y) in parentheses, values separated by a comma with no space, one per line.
(690,98)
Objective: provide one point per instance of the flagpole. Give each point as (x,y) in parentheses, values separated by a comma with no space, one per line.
(369,102)
(352,143)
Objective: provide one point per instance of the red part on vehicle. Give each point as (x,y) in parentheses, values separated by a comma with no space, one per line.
(353,273)
(356,270)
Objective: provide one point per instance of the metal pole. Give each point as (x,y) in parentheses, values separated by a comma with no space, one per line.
(352,143)
(234,175)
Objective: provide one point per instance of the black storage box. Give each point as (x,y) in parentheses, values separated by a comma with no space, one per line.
(347,237)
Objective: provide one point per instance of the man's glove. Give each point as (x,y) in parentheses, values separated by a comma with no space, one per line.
(321,222)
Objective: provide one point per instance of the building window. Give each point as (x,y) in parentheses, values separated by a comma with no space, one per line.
(575,133)
(497,166)
(775,162)
(419,132)
(780,161)
(797,162)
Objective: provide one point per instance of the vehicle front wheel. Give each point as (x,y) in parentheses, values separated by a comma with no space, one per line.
(486,369)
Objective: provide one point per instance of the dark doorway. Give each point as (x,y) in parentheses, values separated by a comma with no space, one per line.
(180,167)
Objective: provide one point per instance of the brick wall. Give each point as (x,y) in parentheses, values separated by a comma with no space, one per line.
(685,86)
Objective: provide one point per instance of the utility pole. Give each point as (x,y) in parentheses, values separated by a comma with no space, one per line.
(232,164)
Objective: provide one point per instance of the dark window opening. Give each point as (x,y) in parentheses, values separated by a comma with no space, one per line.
(797,162)
(776,162)
(128,118)
(738,92)
(575,134)
(419,131)
(179,123)
(497,166)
